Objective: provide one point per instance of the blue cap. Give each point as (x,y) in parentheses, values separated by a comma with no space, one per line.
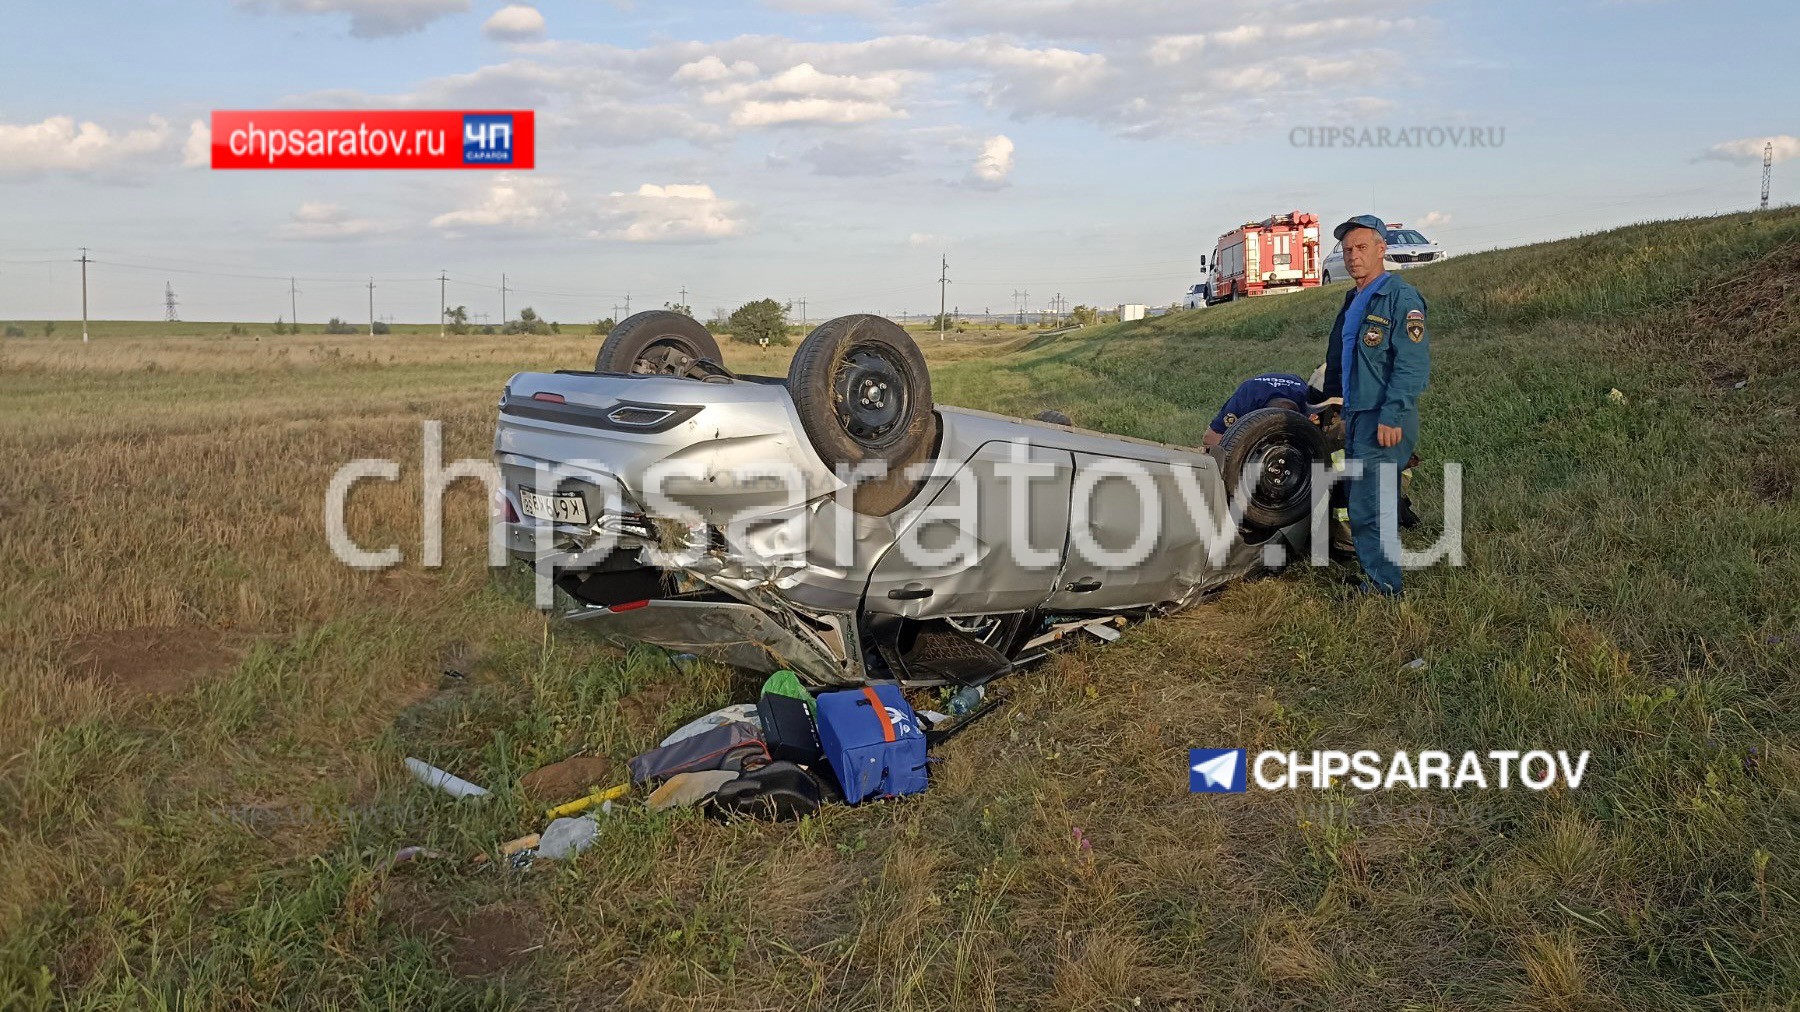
(1361,221)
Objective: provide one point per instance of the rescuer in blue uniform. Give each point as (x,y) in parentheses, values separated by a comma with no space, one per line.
(1379,361)
(1271,389)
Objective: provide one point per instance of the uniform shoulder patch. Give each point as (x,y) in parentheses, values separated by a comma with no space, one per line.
(1415,330)
(1415,314)
(1372,318)
(1372,338)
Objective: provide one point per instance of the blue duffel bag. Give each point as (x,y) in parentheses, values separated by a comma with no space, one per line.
(873,742)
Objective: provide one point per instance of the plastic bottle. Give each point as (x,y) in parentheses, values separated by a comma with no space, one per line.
(966,698)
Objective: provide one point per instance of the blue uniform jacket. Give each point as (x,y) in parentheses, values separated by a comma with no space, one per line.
(1256,392)
(1391,363)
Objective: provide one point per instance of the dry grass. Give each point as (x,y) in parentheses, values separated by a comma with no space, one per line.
(223,840)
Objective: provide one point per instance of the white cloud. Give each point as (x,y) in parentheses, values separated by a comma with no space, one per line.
(514,23)
(927,239)
(369,18)
(1433,219)
(320,221)
(58,144)
(674,213)
(1749,150)
(710,68)
(805,94)
(196,153)
(994,163)
(512,203)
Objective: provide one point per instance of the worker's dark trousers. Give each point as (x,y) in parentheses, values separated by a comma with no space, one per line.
(1369,516)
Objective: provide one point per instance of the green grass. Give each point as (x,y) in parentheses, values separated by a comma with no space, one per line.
(1630,588)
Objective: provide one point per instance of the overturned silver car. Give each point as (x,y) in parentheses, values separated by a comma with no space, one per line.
(838,523)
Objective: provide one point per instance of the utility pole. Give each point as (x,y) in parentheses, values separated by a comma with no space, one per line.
(802,312)
(293,303)
(943,287)
(1768,160)
(84,261)
(371,307)
(443,306)
(503,300)
(615,316)
(683,303)
(628,304)
(1019,301)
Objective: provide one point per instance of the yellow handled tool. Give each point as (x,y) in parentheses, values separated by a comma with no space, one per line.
(583,804)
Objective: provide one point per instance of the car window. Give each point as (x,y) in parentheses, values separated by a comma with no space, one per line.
(1406,237)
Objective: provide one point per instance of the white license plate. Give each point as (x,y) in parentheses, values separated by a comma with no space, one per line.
(561,507)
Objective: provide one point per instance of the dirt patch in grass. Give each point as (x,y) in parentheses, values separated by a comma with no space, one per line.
(645,707)
(481,942)
(568,779)
(150,660)
(1772,483)
(1745,323)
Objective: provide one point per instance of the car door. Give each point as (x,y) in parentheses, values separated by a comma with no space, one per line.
(1133,540)
(1015,523)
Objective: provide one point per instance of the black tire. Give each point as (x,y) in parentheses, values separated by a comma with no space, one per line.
(1327,279)
(1281,446)
(657,342)
(863,394)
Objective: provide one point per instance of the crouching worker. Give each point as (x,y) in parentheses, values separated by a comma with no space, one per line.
(1269,390)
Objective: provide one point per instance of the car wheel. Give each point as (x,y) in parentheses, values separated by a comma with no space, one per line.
(1327,278)
(657,342)
(863,394)
(1276,449)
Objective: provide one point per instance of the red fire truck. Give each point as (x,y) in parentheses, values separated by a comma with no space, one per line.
(1277,255)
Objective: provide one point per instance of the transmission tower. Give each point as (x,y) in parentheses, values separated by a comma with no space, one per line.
(1020,299)
(1768,160)
(169,314)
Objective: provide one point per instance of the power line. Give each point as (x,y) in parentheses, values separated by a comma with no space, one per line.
(503,316)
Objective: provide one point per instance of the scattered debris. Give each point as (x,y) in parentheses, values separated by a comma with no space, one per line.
(965,699)
(782,791)
(567,837)
(582,804)
(726,747)
(1109,624)
(739,713)
(511,847)
(452,785)
(1416,664)
(684,789)
(1616,396)
(408,854)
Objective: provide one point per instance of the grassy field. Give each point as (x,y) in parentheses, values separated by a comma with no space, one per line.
(202,714)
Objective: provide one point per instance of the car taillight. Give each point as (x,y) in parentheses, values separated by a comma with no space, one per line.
(503,508)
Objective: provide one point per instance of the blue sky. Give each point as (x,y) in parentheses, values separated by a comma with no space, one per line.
(833,149)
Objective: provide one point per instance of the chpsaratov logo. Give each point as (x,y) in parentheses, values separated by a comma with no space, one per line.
(487,138)
(1216,770)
